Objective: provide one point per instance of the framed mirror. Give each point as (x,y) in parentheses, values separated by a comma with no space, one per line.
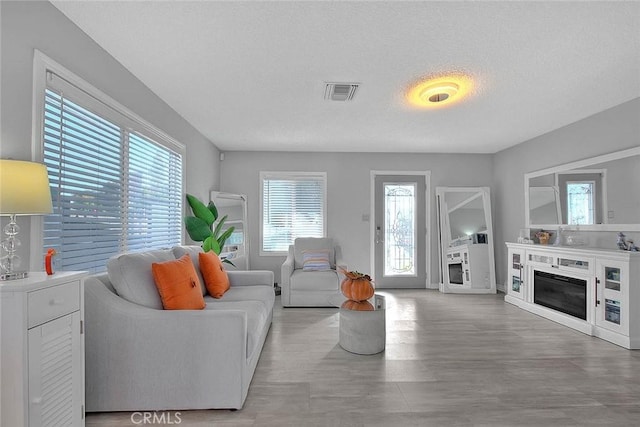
(236,248)
(465,237)
(600,193)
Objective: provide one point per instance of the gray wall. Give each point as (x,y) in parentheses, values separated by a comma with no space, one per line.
(348,192)
(26,26)
(614,129)
(38,25)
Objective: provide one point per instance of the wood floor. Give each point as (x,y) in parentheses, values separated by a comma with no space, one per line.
(451,360)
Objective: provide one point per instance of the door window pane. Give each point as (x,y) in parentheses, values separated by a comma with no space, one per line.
(400,226)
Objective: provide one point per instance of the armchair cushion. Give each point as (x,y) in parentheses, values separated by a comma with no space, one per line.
(302,244)
(314,280)
(316,260)
(178,284)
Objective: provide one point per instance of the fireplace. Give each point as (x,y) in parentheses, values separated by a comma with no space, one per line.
(565,294)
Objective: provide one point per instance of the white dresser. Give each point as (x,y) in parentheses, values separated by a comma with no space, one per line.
(595,291)
(42,350)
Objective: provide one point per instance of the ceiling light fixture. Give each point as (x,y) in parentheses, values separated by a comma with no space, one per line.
(439,91)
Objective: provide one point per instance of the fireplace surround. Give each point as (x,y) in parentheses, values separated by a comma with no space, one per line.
(595,291)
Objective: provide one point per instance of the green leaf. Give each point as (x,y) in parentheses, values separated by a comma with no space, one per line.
(216,231)
(206,245)
(198,229)
(228,262)
(211,244)
(214,210)
(200,210)
(225,236)
(215,247)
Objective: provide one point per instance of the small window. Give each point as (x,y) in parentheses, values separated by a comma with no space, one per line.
(581,202)
(293,205)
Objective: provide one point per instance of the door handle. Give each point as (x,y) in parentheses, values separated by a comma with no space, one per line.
(378,235)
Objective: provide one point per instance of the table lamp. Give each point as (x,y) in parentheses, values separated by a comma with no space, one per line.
(24,190)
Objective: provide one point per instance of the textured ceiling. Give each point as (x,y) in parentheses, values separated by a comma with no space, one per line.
(251,75)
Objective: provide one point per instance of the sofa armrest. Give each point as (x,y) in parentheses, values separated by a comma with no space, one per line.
(340,263)
(287,268)
(250,278)
(285,278)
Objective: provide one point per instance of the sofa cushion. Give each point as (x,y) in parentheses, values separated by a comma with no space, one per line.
(193,251)
(131,276)
(316,260)
(215,277)
(302,244)
(264,294)
(257,316)
(314,280)
(178,284)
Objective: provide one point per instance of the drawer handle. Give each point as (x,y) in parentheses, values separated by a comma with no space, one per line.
(56,301)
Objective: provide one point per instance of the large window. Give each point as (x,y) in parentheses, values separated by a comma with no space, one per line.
(293,205)
(115,186)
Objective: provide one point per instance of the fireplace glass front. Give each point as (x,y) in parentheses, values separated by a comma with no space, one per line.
(565,294)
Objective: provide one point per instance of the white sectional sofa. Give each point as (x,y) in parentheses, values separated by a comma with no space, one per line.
(141,357)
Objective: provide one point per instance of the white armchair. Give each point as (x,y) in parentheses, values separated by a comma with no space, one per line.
(301,288)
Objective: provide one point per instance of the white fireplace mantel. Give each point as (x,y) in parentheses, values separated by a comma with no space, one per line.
(607,296)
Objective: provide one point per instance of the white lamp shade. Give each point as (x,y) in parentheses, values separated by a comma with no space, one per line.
(24,188)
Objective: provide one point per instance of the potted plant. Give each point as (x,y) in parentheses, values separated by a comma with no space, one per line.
(205,227)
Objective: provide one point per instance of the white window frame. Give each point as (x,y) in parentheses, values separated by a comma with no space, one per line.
(290,176)
(42,65)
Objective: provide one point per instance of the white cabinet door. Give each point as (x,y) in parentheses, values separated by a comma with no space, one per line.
(55,373)
(612,296)
(516,274)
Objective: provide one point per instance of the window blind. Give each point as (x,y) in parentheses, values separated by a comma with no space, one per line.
(293,205)
(113,189)
(154,195)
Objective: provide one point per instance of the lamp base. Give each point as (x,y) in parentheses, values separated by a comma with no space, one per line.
(14,275)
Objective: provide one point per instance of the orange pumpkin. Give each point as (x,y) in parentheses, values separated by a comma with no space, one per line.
(359,289)
(357,306)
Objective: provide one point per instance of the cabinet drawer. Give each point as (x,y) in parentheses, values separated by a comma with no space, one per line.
(51,303)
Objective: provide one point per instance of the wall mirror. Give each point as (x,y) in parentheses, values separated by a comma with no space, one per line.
(465,238)
(236,248)
(600,193)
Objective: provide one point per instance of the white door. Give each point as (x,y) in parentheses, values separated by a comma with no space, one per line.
(400,231)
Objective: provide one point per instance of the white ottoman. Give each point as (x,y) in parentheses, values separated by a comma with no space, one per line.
(363,332)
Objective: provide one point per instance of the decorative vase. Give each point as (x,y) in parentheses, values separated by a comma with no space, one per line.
(543,238)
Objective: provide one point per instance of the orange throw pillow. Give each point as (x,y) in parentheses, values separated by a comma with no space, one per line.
(178,284)
(215,277)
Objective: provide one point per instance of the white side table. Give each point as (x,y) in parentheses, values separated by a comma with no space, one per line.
(364,332)
(42,350)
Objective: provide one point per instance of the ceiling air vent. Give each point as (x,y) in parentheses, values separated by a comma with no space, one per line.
(340,91)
